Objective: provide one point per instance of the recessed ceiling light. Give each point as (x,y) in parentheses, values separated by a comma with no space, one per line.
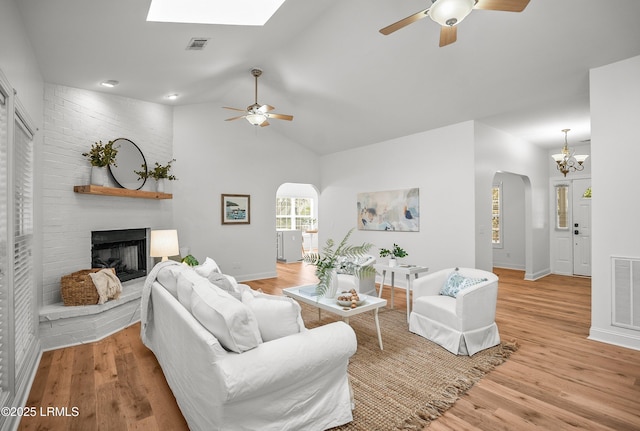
(110,83)
(235,12)
(172,96)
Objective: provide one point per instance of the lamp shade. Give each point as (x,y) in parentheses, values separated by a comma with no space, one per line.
(450,12)
(581,158)
(164,243)
(256,118)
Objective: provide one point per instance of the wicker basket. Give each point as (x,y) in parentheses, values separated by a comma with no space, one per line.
(78,288)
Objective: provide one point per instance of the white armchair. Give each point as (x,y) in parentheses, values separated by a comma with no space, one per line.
(464,325)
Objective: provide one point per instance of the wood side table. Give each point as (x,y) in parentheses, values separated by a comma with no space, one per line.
(410,271)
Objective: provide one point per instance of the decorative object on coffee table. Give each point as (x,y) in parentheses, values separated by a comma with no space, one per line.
(330,259)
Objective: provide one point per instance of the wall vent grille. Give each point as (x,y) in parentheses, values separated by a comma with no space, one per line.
(626,292)
(197,43)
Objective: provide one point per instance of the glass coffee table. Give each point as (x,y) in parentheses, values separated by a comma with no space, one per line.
(307,295)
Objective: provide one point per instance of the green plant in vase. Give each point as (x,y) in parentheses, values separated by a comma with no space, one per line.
(331,257)
(396,252)
(159,172)
(102,155)
(190,260)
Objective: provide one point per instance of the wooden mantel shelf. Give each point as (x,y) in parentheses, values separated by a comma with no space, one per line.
(112,191)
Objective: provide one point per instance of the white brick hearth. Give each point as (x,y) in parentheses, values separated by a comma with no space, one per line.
(62,326)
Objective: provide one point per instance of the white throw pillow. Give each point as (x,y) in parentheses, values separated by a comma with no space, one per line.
(278,316)
(207,267)
(186,280)
(168,277)
(225,284)
(228,319)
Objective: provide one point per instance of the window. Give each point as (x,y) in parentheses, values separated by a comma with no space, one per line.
(23,295)
(294,213)
(18,313)
(496,214)
(562,206)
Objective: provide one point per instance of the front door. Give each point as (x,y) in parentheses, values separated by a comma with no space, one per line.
(581,227)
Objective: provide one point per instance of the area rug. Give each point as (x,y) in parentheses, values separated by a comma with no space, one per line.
(413,380)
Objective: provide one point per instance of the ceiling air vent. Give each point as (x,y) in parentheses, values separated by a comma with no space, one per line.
(197,43)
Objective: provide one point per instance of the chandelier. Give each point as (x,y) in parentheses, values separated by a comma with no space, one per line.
(567,161)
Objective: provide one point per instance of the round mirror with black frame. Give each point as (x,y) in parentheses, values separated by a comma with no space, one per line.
(129,159)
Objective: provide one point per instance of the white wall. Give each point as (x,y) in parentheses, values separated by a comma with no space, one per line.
(499,151)
(18,62)
(439,162)
(511,254)
(74,120)
(216,157)
(615,109)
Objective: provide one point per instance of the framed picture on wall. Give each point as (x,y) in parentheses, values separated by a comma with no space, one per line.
(392,210)
(236,209)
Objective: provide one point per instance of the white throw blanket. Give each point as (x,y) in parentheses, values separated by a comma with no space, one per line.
(107,284)
(146,308)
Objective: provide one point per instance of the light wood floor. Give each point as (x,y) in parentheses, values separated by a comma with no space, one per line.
(557,380)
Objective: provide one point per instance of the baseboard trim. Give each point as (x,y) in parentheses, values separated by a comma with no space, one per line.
(628,341)
(537,275)
(256,276)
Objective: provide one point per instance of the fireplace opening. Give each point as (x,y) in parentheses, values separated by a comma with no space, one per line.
(124,250)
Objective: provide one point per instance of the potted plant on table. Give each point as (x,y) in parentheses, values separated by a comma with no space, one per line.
(101,156)
(395,253)
(330,259)
(159,172)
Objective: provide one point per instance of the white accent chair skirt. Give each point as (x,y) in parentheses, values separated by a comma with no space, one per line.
(463,325)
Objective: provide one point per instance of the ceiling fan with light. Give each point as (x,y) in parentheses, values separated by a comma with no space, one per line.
(257,114)
(449,13)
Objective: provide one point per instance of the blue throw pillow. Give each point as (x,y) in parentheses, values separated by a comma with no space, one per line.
(457,282)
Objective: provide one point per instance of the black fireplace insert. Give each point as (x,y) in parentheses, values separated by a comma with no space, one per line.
(125,250)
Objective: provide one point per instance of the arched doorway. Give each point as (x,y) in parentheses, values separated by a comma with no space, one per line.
(512,222)
(296,220)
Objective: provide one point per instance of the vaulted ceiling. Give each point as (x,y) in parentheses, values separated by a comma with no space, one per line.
(346,84)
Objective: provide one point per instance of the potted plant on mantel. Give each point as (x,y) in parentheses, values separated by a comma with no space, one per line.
(101,156)
(330,259)
(159,172)
(396,252)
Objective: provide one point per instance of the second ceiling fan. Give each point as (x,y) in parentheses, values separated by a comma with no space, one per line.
(449,13)
(257,114)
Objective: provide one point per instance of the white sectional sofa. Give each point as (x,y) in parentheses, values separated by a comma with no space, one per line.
(281,375)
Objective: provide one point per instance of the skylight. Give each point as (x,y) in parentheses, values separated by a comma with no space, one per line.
(229,12)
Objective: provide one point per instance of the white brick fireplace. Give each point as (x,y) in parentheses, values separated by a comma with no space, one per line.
(73,120)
